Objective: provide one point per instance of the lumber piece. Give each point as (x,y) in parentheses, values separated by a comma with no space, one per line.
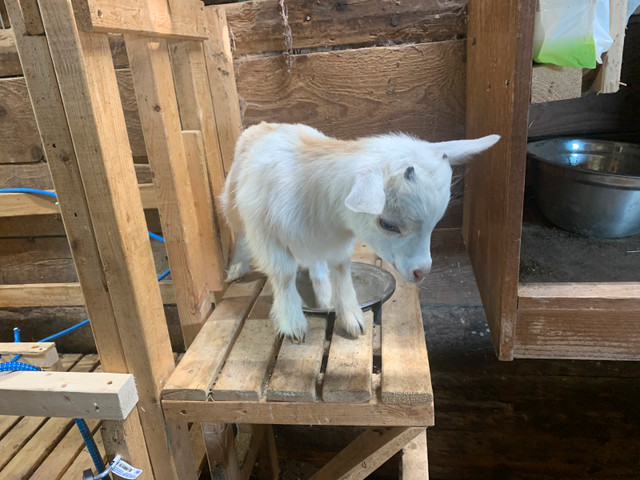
(43,354)
(608,78)
(222,83)
(620,296)
(499,63)
(409,88)
(257,25)
(110,396)
(415,463)
(9,61)
(347,377)
(146,17)
(297,367)
(89,90)
(202,362)
(366,453)
(406,377)
(59,294)
(550,83)
(158,107)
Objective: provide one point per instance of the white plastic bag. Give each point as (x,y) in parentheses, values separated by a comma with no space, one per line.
(571,33)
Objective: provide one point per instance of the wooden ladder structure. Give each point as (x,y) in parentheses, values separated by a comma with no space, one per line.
(235,371)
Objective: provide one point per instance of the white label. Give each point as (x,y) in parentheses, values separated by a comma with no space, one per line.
(124,470)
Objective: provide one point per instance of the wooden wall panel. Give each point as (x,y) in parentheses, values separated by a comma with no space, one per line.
(417,89)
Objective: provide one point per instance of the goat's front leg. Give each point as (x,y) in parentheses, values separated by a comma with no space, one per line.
(348,312)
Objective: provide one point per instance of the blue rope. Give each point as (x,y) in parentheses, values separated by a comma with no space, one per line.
(13,366)
(91,445)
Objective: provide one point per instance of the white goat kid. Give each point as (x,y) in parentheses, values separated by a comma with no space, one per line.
(296,197)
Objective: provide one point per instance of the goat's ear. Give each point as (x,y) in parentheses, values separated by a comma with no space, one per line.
(458,152)
(367,194)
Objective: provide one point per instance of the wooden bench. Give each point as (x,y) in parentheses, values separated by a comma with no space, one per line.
(239,371)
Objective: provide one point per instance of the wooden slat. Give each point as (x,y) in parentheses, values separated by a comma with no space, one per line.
(257,25)
(19,140)
(64,453)
(302,413)
(200,366)
(196,113)
(297,367)
(43,354)
(9,61)
(577,333)
(347,377)
(411,88)
(246,367)
(148,17)
(499,63)
(415,463)
(366,453)
(550,83)
(17,204)
(89,91)
(59,294)
(7,422)
(608,79)
(406,377)
(620,296)
(110,396)
(158,108)
(222,83)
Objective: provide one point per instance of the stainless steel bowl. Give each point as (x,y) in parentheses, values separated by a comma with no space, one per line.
(591,187)
(374,286)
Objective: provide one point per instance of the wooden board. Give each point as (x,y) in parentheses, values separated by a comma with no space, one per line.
(608,79)
(406,377)
(499,49)
(415,463)
(20,142)
(41,354)
(193,376)
(257,26)
(620,296)
(416,89)
(550,83)
(295,375)
(347,377)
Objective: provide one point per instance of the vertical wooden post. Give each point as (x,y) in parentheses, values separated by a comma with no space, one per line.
(608,79)
(89,91)
(56,140)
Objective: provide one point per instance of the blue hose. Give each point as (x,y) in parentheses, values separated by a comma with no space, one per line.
(91,445)
(29,190)
(13,366)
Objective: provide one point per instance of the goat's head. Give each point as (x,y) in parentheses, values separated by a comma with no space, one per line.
(394,209)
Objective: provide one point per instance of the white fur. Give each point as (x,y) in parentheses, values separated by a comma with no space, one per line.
(296,197)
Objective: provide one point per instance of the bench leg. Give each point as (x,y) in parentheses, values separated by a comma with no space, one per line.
(269,466)
(220,443)
(367,452)
(415,465)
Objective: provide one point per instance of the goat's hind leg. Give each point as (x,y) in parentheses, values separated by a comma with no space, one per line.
(241,262)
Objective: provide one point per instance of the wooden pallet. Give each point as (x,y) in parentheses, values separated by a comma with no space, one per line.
(238,370)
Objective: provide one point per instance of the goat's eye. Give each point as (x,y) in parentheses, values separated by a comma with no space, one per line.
(389,227)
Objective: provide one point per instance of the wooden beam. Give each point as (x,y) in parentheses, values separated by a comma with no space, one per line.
(59,295)
(109,396)
(20,204)
(144,17)
(89,90)
(550,83)
(621,296)
(43,354)
(158,107)
(608,79)
(415,462)
(499,63)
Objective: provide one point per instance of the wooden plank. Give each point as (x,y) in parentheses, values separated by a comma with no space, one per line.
(369,413)
(148,17)
(295,375)
(88,87)
(257,25)
(158,108)
(347,376)
(64,453)
(366,453)
(550,83)
(20,139)
(59,294)
(577,333)
(499,63)
(222,83)
(7,422)
(406,377)
(415,463)
(408,88)
(19,204)
(246,367)
(202,362)
(109,396)
(196,113)
(9,61)
(83,461)
(43,355)
(608,79)
(620,296)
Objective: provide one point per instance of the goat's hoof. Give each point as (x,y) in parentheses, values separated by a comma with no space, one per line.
(352,322)
(236,271)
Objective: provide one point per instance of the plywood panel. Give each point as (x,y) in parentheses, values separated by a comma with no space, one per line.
(417,89)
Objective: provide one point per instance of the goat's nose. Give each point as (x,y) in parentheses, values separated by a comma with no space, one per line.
(420,273)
